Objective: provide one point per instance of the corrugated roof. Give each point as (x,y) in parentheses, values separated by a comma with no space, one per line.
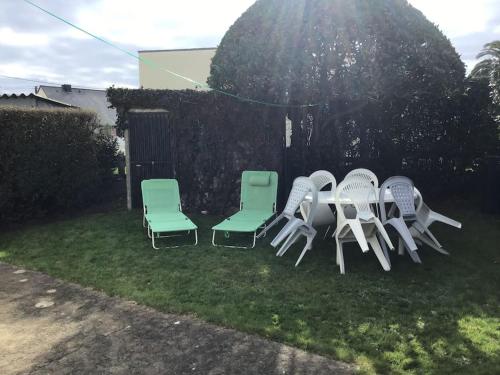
(94,100)
(49,100)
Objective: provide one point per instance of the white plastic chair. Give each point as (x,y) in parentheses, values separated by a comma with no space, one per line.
(363,225)
(364,174)
(301,187)
(297,227)
(402,190)
(324,214)
(425,217)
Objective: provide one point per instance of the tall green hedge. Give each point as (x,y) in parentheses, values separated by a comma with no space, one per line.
(390,87)
(214,139)
(50,160)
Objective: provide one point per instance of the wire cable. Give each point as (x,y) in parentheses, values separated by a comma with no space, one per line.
(47,82)
(154,65)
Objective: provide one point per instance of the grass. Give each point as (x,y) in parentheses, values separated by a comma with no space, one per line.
(437,318)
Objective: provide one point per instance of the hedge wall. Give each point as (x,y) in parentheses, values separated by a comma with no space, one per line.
(50,160)
(215,138)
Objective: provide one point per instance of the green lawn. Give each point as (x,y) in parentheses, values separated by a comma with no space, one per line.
(440,317)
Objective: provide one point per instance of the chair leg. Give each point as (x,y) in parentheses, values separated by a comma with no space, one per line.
(288,243)
(306,248)
(413,255)
(379,253)
(383,232)
(431,236)
(358,232)
(434,216)
(426,241)
(232,246)
(340,256)
(327,230)
(403,231)
(153,241)
(384,248)
(401,247)
(290,227)
(267,227)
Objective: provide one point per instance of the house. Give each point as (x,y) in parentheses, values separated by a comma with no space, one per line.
(94,100)
(193,63)
(31,101)
(90,99)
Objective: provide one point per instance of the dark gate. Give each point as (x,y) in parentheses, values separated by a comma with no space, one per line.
(150,149)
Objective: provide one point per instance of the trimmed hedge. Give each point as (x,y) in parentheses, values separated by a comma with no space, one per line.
(390,89)
(50,160)
(215,138)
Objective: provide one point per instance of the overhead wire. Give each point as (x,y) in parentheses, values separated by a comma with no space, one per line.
(155,65)
(46,82)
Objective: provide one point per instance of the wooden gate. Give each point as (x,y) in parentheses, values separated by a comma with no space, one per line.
(150,150)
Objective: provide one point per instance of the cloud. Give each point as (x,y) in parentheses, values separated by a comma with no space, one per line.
(9,37)
(458,17)
(162,24)
(35,45)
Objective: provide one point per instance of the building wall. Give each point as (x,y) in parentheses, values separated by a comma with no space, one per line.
(194,63)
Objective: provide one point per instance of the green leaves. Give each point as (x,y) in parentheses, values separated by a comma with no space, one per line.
(50,160)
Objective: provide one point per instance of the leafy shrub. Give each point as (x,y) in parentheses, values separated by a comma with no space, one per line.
(215,138)
(50,160)
(388,84)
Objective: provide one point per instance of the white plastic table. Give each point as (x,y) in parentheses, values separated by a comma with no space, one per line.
(326,197)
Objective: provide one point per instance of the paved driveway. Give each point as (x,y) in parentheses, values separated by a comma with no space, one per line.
(51,327)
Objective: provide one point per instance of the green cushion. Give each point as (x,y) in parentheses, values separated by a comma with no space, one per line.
(160,224)
(244,221)
(165,216)
(260,180)
(259,190)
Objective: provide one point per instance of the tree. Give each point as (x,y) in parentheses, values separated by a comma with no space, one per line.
(388,83)
(307,51)
(488,70)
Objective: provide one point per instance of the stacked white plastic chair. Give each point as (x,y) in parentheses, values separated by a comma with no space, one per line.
(425,217)
(301,187)
(402,191)
(360,225)
(363,174)
(296,227)
(324,214)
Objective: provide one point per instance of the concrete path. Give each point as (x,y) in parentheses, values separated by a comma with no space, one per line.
(51,327)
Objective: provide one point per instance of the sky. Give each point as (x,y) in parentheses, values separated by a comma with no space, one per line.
(36,46)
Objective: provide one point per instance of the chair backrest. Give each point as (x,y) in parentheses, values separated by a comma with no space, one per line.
(356,192)
(419,201)
(160,195)
(402,191)
(300,188)
(259,190)
(364,174)
(322,179)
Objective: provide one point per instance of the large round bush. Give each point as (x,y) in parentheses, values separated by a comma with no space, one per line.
(388,83)
(308,50)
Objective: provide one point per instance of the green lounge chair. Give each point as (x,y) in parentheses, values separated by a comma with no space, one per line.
(162,210)
(257,205)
